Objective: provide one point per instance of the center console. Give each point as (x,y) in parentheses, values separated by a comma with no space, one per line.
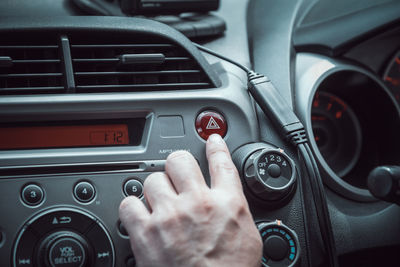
(68,158)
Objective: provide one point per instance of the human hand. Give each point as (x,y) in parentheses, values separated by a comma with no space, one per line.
(190,224)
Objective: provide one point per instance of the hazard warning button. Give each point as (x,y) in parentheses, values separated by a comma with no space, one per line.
(210,122)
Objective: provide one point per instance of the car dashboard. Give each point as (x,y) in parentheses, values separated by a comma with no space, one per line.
(91,105)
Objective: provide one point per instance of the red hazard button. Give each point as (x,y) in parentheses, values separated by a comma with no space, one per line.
(210,122)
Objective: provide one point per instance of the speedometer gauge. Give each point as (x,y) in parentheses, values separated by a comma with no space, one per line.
(392,76)
(337,132)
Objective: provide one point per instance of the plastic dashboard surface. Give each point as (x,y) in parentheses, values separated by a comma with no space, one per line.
(170,125)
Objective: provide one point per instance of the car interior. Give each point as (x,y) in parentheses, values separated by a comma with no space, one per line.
(95,94)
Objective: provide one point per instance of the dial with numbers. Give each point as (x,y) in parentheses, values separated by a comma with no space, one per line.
(270,174)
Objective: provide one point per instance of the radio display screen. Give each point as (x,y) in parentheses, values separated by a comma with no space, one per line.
(68,136)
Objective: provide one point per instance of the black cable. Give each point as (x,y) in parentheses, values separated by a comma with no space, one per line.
(290,127)
(319,200)
(209,51)
(307,238)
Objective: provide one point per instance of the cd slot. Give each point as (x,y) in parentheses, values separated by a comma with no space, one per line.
(144,166)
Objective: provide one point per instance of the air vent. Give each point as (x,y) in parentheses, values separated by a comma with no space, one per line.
(27,68)
(98,67)
(97,55)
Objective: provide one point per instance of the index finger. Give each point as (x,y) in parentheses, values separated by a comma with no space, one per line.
(223,172)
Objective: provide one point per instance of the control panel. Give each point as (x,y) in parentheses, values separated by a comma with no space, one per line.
(68,220)
(281,245)
(63,237)
(59,195)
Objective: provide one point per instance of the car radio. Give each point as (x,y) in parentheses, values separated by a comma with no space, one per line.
(66,164)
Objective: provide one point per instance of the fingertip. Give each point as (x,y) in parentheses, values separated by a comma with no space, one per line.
(179,155)
(131,210)
(215,144)
(215,139)
(184,171)
(124,207)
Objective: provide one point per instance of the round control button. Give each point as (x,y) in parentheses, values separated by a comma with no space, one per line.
(276,248)
(32,194)
(131,262)
(281,245)
(62,219)
(67,252)
(63,237)
(101,246)
(122,229)
(133,188)
(210,122)
(23,253)
(274,170)
(84,191)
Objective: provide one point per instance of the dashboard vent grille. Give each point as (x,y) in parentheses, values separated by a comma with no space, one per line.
(30,68)
(98,68)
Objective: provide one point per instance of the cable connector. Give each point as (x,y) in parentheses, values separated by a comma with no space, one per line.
(298,137)
(273,104)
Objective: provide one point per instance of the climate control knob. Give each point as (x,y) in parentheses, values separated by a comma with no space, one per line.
(267,172)
(281,245)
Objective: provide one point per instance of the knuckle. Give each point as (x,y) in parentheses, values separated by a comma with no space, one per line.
(237,205)
(217,150)
(169,220)
(204,206)
(150,229)
(225,166)
(152,179)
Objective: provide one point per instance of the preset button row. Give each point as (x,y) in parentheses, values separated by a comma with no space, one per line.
(33,194)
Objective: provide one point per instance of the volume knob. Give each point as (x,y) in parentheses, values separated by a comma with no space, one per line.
(64,248)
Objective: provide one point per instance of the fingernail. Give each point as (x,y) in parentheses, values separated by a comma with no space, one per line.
(216,139)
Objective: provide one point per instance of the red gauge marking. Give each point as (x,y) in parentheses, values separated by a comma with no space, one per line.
(329,107)
(397,60)
(317,139)
(316,103)
(340,102)
(318,118)
(393,81)
(339,114)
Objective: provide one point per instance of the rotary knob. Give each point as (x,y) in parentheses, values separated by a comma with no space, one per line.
(63,237)
(281,245)
(64,249)
(270,174)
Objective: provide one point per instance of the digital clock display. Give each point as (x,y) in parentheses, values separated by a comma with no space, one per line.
(64,136)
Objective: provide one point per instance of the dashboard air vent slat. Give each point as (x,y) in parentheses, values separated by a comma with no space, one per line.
(165,72)
(33,90)
(112,87)
(34,69)
(97,68)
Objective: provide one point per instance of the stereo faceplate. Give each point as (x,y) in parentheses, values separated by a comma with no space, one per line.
(60,215)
